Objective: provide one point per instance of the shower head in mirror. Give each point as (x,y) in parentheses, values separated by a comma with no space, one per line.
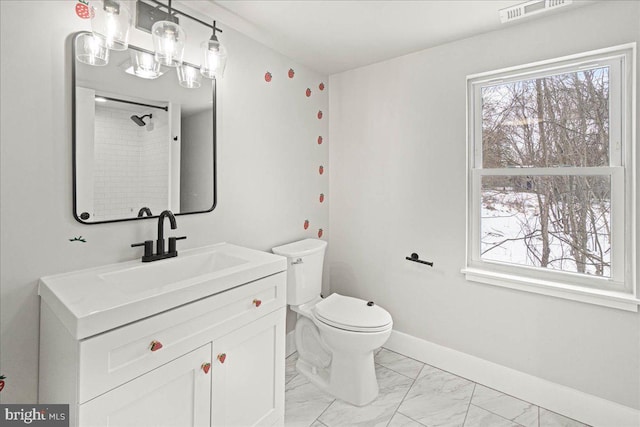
(140,120)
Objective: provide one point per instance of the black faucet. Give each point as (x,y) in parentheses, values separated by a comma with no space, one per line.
(144,210)
(160,253)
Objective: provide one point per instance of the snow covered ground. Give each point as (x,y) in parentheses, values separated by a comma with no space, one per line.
(509,216)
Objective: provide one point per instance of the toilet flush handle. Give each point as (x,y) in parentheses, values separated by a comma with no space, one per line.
(298,261)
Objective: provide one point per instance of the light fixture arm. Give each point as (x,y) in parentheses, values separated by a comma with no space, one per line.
(213,35)
(215,28)
(186,15)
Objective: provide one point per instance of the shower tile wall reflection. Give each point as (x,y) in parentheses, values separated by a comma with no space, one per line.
(130,161)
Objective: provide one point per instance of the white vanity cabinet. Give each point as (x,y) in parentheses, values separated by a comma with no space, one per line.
(175,394)
(215,361)
(248,375)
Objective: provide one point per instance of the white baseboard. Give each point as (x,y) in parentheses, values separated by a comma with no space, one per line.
(569,402)
(290,343)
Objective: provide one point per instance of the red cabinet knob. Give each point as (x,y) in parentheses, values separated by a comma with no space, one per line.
(222,357)
(257,302)
(155,345)
(205,367)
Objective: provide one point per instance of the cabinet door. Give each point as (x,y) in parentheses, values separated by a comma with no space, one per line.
(177,394)
(248,374)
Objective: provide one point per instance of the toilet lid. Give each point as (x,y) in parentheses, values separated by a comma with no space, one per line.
(352,314)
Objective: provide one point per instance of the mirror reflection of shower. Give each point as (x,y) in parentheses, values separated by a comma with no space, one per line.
(140,121)
(132,152)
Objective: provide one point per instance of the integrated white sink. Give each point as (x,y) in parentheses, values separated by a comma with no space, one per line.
(92,301)
(172,271)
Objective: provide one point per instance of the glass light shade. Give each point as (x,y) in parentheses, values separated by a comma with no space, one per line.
(91,50)
(189,76)
(214,59)
(168,41)
(111,22)
(145,65)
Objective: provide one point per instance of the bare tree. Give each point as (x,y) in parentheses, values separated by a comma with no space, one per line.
(554,121)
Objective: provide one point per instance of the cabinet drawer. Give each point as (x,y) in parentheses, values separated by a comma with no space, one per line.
(115,357)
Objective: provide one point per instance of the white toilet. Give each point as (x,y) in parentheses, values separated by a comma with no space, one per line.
(335,336)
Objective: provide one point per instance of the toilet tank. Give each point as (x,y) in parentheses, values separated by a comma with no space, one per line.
(304,269)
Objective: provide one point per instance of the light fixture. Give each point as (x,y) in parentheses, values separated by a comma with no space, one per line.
(165,31)
(168,41)
(111,23)
(189,76)
(144,65)
(90,50)
(214,56)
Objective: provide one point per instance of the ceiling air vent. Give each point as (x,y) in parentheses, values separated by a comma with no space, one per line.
(524,10)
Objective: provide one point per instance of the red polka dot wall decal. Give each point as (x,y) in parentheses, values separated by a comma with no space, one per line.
(306,224)
(291,73)
(320,233)
(319,114)
(321,198)
(308,92)
(267,77)
(83,10)
(321,86)
(321,170)
(319,140)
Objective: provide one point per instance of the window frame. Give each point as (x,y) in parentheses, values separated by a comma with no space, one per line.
(620,289)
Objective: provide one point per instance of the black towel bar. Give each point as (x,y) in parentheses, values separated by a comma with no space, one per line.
(416,258)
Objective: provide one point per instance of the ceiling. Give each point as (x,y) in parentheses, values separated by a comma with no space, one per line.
(334,36)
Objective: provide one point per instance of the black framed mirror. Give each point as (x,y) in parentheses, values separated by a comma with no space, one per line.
(142,143)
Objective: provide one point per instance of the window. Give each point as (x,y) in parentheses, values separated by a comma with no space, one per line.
(550,180)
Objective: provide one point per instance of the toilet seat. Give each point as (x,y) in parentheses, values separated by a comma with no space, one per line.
(352,314)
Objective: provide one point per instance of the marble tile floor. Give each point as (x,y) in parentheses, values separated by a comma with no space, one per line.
(413,394)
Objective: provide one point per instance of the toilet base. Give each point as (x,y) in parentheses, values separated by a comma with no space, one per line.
(354,382)
(336,360)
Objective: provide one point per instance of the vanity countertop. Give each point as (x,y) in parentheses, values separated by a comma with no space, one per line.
(96,300)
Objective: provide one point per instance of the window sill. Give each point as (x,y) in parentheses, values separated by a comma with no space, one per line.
(619,300)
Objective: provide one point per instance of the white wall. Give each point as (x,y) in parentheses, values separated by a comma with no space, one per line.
(267,169)
(85,154)
(194,157)
(398,186)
